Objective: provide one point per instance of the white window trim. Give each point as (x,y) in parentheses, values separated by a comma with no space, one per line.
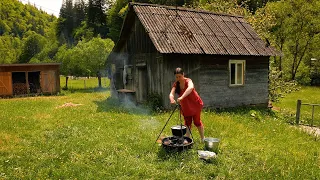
(243,62)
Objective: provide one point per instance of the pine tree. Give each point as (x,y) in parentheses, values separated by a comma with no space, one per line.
(97,18)
(65,23)
(79,13)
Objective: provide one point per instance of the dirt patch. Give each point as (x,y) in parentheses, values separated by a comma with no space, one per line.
(311,130)
(8,141)
(69,104)
(274,108)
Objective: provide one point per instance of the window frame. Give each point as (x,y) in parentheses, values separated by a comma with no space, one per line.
(236,62)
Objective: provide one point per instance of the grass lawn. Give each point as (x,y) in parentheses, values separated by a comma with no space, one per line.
(310,95)
(83,83)
(83,135)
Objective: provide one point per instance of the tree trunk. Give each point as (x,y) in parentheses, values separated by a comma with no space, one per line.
(280,59)
(301,57)
(295,56)
(67,77)
(99,79)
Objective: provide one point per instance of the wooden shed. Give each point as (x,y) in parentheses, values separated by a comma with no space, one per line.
(20,79)
(222,54)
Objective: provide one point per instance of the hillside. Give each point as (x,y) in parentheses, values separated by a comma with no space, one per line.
(22,24)
(16,19)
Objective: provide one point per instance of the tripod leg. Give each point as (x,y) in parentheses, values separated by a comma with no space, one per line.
(190,131)
(188,128)
(166,123)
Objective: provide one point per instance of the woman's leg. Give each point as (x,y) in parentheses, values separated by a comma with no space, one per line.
(188,122)
(201,132)
(198,123)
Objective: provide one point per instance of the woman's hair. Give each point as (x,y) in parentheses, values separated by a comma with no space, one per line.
(178,71)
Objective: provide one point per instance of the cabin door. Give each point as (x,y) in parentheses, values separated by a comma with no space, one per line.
(48,81)
(5,83)
(142,85)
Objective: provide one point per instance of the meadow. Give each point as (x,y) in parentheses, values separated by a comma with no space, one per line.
(85,134)
(308,95)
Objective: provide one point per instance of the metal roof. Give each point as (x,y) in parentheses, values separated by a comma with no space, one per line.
(31,64)
(189,31)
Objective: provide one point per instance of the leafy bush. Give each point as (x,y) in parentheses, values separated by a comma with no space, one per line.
(303,75)
(315,79)
(278,87)
(155,102)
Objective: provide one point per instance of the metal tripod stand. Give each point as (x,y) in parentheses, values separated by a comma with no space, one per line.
(175,108)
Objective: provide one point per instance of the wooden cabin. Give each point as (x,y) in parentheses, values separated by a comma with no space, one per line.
(222,54)
(22,79)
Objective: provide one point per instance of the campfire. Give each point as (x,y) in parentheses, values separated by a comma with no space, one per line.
(178,141)
(173,143)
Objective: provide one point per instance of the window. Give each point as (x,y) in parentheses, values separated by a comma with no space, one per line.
(236,69)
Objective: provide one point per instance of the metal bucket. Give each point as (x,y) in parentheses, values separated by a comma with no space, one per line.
(212,144)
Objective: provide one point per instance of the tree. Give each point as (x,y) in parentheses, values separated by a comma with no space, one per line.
(305,29)
(223,6)
(92,55)
(79,13)
(115,18)
(63,56)
(85,58)
(64,28)
(10,48)
(32,45)
(270,23)
(293,27)
(24,31)
(97,18)
(254,5)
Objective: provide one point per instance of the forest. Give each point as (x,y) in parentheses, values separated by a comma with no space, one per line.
(83,35)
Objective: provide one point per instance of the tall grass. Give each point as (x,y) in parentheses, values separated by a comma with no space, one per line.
(41,139)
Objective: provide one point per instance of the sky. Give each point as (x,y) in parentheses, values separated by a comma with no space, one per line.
(50,6)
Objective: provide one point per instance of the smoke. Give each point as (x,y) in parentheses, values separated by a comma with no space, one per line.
(149,124)
(116,61)
(131,106)
(121,83)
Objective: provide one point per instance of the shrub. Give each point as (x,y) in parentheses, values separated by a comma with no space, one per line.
(303,76)
(278,87)
(155,102)
(315,79)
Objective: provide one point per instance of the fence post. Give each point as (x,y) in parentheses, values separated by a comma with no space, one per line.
(312,115)
(298,111)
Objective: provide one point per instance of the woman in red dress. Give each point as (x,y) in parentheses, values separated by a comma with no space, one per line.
(190,101)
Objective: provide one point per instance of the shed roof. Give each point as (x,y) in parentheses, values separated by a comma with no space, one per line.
(31,64)
(28,67)
(189,31)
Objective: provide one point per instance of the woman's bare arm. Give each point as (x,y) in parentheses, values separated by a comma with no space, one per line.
(171,95)
(188,90)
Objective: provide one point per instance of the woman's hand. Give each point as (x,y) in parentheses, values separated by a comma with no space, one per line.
(179,99)
(172,101)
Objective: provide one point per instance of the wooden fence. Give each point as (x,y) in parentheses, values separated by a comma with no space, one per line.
(298,113)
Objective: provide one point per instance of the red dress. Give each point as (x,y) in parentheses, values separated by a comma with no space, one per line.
(192,104)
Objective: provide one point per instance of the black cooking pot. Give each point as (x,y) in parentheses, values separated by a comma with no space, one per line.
(178,130)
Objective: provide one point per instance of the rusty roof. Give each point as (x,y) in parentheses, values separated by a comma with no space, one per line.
(189,31)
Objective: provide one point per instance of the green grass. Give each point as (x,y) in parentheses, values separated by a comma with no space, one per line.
(310,95)
(83,83)
(40,139)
